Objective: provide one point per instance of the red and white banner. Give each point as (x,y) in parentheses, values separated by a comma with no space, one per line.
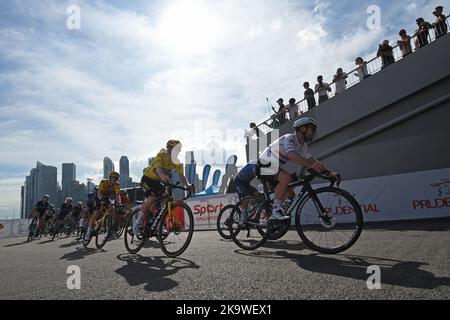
(206,209)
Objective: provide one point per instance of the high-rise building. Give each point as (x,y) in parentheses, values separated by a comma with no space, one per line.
(22,201)
(190,167)
(108,166)
(28,199)
(78,192)
(46,181)
(68,175)
(124,167)
(42,180)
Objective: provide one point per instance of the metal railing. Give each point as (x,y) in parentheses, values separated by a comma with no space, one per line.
(373,66)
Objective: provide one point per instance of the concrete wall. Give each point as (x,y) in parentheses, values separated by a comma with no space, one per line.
(416,144)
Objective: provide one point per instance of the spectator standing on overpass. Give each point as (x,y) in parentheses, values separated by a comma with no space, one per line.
(339,80)
(280,114)
(309,96)
(422,33)
(322,88)
(361,71)
(440,26)
(404,43)
(385,51)
(292,109)
(253,131)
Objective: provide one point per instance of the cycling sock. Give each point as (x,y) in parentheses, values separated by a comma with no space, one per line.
(244,216)
(276,205)
(81,222)
(139,219)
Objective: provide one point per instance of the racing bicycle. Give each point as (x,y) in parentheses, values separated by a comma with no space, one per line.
(328,220)
(173,225)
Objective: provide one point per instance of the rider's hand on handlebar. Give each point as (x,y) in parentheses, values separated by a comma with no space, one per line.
(317,166)
(335,176)
(166,179)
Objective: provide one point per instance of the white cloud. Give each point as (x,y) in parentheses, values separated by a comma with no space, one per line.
(412,7)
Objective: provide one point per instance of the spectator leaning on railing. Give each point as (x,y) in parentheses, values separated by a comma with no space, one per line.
(440,26)
(361,71)
(281,114)
(339,80)
(292,109)
(309,96)
(404,43)
(322,88)
(422,33)
(385,51)
(254,129)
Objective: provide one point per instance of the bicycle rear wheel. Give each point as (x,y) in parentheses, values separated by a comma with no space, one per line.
(337,229)
(253,233)
(176,229)
(224,222)
(134,242)
(120,227)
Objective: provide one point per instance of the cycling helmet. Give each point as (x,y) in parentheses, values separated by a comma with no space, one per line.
(69,199)
(79,203)
(46,196)
(172,144)
(304,122)
(114,174)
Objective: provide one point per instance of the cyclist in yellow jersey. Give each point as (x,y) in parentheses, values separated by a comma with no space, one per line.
(105,190)
(160,170)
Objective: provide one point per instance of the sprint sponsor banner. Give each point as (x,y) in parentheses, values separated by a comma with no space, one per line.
(417,195)
(206,209)
(13,228)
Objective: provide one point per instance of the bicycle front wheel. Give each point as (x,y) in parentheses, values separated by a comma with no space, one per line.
(134,242)
(103,232)
(224,221)
(176,229)
(334,230)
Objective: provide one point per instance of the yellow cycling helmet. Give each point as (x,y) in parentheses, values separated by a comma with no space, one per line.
(172,144)
(114,174)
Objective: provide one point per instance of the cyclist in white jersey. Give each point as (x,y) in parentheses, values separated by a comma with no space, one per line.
(291,148)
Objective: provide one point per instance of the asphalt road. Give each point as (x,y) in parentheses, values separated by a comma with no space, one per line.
(414,259)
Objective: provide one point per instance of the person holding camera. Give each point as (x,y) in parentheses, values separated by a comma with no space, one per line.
(386,52)
(322,88)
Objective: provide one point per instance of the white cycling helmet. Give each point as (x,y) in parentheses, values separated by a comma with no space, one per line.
(304,122)
(69,199)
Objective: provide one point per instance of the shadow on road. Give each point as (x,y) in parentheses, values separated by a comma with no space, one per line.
(15,244)
(153,271)
(70,244)
(393,272)
(286,245)
(281,245)
(46,241)
(80,253)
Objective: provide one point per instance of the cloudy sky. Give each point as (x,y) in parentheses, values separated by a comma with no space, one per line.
(138,73)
